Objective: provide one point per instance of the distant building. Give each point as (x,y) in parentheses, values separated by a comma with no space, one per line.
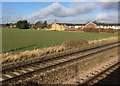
(8,25)
(58,27)
(89,25)
(13,26)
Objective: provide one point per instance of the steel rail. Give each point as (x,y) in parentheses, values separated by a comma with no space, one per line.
(95,77)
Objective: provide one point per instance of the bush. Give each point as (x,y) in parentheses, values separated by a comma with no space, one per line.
(41,25)
(110,30)
(75,43)
(90,30)
(107,30)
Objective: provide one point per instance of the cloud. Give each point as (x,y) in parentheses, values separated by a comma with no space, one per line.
(108,5)
(107,17)
(58,10)
(11,19)
(76,19)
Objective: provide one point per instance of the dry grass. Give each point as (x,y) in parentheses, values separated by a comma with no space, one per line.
(10,57)
(75,43)
(110,39)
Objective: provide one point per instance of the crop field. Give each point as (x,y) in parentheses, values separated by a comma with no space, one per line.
(16,38)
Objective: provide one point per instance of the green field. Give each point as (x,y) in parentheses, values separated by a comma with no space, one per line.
(15,38)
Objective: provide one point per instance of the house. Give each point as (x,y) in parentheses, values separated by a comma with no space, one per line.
(58,27)
(13,25)
(90,25)
(9,25)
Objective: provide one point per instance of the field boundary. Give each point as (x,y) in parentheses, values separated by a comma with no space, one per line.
(34,46)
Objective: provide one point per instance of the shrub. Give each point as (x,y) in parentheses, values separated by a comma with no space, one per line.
(110,30)
(90,30)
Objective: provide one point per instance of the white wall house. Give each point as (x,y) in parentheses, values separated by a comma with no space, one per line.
(76,26)
(106,27)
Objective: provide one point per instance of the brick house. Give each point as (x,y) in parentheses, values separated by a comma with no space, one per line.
(90,25)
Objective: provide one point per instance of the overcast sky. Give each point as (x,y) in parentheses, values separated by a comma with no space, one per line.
(63,12)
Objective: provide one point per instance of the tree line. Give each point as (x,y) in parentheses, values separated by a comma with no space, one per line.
(24,24)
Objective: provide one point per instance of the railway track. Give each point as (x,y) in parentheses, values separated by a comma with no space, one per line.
(111,79)
(94,77)
(22,70)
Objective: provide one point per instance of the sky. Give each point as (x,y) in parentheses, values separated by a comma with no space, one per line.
(63,12)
